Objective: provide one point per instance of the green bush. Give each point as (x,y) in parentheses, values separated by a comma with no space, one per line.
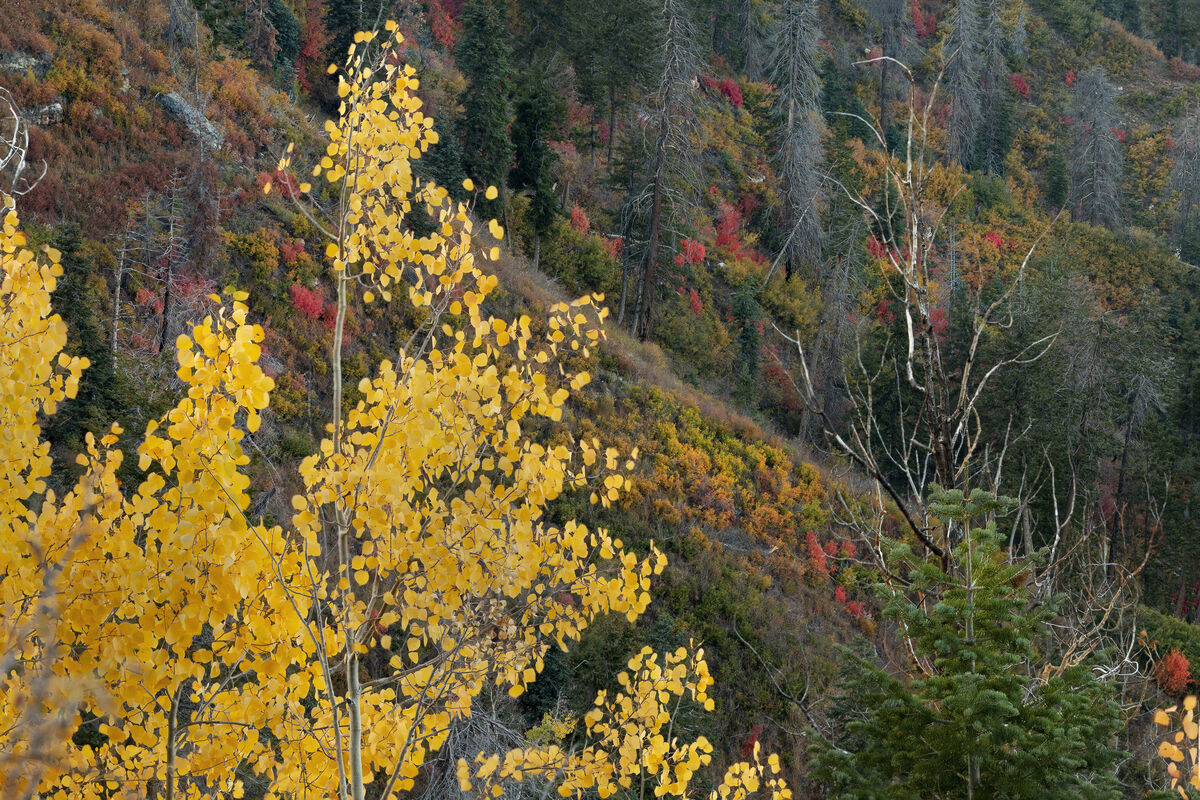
(1166,633)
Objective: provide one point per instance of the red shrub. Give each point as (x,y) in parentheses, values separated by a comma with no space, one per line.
(1182,70)
(817,559)
(613,247)
(442,23)
(329,315)
(309,302)
(993,238)
(884,313)
(857,609)
(1173,673)
(924,22)
(579,220)
(728,222)
(732,92)
(1019,85)
(748,746)
(1119,133)
(693,251)
(694,302)
(939,320)
(1070,77)
(291,250)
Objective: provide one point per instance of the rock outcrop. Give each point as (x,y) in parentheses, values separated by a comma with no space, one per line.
(49,114)
(191,118)
(25,63)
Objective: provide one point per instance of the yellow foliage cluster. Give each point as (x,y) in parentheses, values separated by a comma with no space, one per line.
(1183,763)
(632,743)
(197,647)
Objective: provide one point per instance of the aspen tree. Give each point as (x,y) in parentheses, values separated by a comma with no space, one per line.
(155,642)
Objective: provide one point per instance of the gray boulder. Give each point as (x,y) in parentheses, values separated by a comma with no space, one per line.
(191,118)
(49,114)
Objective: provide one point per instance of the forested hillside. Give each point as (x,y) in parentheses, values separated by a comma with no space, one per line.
(450,398)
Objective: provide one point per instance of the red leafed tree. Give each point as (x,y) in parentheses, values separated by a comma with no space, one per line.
(1019,85)
(579,220)
(313,42)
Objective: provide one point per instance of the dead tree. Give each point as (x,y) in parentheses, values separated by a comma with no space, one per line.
(940,432)
(962,82)
(17,175)
(1097,162)
(795,73)
(1185,178)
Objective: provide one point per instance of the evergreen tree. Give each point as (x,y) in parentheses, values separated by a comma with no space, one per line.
(607,74)
(996,128)
(673,116)
(344,18)
(483,56)
(843,111)
(1097,161)
(444,161)
(896,42)
(287,38)
(1058,184)
(976,720)
(74,299)
(537,112)
(747,315)
(794,69)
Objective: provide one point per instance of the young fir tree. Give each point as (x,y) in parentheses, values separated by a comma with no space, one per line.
(537,111)
(975,720)
(1097,161)
(1058,183)
(795,72)
(483,56)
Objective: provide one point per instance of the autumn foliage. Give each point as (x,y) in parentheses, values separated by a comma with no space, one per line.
(202,647)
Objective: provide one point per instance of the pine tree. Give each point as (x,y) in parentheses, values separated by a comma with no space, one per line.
(1096,161)
(975,719)
(607,74)
(843,110)
(896,42)
(1058,184)
(996,127)
(483,56)
(795,72)
(537,111)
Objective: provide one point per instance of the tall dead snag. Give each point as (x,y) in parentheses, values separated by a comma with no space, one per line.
(795,73)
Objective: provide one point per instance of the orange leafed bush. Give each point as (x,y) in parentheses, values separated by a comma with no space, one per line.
(1173,673)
